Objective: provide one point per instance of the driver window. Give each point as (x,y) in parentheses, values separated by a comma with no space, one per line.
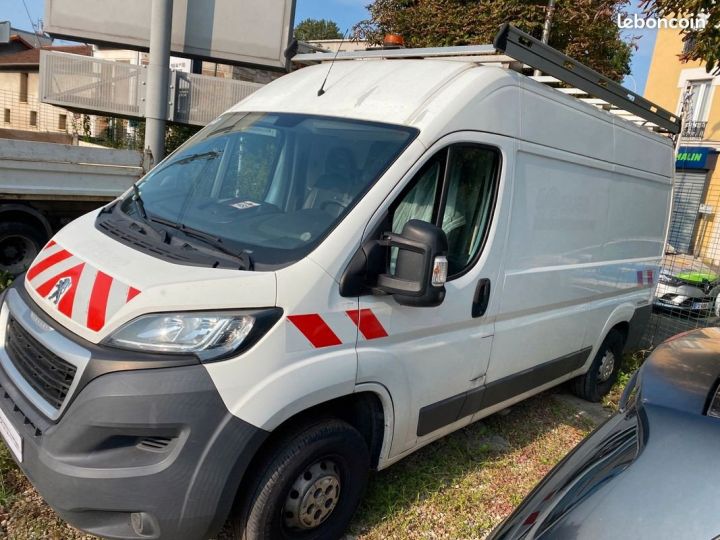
(419,201)
(466,176)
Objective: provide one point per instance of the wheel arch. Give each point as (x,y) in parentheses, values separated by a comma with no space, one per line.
(619,320)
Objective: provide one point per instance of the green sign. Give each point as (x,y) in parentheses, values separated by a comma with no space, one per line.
(690,157)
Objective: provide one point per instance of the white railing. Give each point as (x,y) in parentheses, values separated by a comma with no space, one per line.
(96,86)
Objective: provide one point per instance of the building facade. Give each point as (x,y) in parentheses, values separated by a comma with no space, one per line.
(688,87)
(21,111)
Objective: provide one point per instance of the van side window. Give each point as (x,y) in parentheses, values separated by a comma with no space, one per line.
(455,190)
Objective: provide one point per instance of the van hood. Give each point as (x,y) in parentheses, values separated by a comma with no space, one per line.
(92,284)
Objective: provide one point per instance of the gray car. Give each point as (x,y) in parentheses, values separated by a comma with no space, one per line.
(651,471)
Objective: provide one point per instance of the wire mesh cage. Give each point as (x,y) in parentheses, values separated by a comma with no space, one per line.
(687,294)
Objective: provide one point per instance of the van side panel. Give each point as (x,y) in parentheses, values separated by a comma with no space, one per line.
(585,239)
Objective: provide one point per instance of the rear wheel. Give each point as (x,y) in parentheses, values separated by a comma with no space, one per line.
(308,486)
(604,370)
(19,245)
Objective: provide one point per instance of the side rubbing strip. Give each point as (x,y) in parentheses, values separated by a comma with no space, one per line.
(447,411)
(315,329)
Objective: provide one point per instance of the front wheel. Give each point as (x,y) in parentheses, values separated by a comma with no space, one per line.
(308,487)
(603,372)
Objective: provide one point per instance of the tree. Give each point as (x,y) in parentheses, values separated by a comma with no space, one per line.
(584,29)
(311,29)
(704,44)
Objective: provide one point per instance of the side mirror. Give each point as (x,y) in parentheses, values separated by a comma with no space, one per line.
(421,266)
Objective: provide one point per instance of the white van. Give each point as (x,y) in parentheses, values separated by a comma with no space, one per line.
(320,283)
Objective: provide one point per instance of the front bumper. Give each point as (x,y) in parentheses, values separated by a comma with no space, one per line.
(684,298)
(148,453)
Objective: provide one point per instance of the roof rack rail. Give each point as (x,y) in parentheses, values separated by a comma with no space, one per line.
(533,52)
(514,49)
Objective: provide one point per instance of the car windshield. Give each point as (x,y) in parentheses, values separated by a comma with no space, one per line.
(269,185)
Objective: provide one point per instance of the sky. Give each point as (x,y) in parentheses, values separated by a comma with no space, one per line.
(346,13)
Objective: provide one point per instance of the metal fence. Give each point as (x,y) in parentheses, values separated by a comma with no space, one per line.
(106,86)
(688,288)
(92,84)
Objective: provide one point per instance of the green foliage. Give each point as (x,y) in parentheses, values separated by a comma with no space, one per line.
(6,280)
(706,46)
(175,135)
(584,29)
(311,29)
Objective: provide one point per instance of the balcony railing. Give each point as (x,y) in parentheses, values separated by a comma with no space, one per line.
(694,130)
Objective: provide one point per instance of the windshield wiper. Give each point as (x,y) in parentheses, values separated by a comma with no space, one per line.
(212,154)
(139,205)
(144,220)
(210,239)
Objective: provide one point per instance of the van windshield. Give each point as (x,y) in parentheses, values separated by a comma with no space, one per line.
(269,185)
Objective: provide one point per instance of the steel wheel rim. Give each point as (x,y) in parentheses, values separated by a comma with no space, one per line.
(607,365)
(313,496)
(14,246)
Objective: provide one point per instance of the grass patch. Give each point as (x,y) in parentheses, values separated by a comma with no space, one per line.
(630,364)
(465,484)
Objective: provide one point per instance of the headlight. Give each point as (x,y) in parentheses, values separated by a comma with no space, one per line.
(207,335)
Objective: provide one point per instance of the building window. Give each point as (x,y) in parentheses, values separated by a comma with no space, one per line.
(62,122)
(24,87)
(6,116)
(698,100)
(33,118)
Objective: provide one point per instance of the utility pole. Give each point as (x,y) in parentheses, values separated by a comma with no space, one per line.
(158,78)
(546,27)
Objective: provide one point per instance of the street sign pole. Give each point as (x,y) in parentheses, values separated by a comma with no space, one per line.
(158,78)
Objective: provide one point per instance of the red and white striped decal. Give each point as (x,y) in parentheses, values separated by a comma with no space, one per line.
(77,289)
(645,277)
(332,329)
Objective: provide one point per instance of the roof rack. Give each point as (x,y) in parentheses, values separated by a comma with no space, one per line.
(514,49)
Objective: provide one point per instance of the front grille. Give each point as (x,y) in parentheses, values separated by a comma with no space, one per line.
(48,374)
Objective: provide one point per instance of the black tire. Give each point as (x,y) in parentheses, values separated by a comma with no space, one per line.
(592,386)
(262,510)
(19,245)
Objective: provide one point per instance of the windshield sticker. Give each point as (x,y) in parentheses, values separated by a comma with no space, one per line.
(244,205)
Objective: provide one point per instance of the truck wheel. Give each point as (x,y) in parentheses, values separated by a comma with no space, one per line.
(604,370)
(19,245)
(309,486)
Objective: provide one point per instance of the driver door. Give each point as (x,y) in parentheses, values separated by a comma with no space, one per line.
(433,359)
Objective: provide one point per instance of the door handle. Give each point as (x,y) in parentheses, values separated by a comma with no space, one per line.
(481,299)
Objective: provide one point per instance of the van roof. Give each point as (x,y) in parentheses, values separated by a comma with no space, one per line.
(413,92)
(382,91)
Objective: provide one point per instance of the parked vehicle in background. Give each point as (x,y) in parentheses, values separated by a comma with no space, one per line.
(645,473)
(44,186)
(687,286)
(325,279)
